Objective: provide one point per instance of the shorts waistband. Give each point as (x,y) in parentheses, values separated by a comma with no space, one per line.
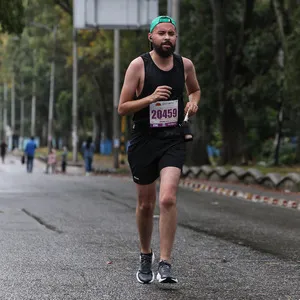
(163,132)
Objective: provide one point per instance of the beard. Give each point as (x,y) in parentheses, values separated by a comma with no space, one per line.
(164,52)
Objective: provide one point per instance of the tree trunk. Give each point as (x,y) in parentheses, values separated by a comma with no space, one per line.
(95,130)
(196,150)
(104,114)
(232,125)
(219,31)
(298,139)
(278,7)
(229,117)
(282,20)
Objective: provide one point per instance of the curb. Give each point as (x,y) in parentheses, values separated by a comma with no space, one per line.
(197,187)
(241,175)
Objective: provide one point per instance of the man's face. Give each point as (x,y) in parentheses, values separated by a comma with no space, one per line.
(164,39)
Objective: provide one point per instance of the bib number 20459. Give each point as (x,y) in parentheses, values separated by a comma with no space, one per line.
(164,113)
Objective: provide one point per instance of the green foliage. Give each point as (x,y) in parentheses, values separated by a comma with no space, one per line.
(11,16)
(293,59)
(254,82)
(63,104)
(287,154)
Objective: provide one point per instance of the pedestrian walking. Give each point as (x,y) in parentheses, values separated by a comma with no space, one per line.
(153,90)
(64,159)
(30,153)
(3,149)
(51,161)
(88,150)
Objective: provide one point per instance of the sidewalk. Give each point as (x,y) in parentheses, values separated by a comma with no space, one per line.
(252,193)
(102,164)
(13,165)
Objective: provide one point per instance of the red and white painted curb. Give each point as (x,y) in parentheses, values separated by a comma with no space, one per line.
(197,187)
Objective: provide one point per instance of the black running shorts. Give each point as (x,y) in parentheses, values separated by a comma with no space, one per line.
(148,155)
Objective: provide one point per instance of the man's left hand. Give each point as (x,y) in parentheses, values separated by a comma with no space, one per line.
(191,107)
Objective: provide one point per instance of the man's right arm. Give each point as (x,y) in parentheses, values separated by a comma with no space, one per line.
(131,82)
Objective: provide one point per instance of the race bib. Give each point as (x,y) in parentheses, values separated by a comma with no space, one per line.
(164,113)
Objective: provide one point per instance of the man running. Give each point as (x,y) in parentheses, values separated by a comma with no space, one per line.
(153,91)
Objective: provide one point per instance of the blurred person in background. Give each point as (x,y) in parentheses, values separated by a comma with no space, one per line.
(30,152)
(64,159)
(88,150)
(3,149)
(51,161)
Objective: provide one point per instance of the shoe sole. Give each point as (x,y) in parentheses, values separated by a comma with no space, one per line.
(144,282)
(166,280)
(153,276)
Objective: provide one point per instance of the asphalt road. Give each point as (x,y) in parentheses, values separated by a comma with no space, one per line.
(74,237)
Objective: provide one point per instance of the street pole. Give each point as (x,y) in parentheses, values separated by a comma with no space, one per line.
(123,140)
(169,8)
(13,103)
(51,97)
(116,95)
(1,117)
(33,107)
(33,99)
(278,135)
(74,102)
(22,115)
(176,15)
(5,110)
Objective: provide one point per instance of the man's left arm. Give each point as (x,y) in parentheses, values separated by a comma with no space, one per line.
(192,87)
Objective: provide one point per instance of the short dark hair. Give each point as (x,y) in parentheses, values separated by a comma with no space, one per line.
(32,138)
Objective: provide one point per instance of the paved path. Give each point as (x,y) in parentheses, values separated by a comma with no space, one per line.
(74,237)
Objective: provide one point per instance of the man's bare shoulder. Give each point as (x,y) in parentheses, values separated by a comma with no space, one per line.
(136,65)
(187,63)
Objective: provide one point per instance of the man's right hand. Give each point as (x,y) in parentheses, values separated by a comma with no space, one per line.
(162,92)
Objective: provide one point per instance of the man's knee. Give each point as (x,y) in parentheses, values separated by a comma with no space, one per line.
(145,206)
(167,201)
(146,203)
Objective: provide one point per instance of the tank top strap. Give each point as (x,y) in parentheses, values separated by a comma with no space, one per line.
(146,57)
(178,58)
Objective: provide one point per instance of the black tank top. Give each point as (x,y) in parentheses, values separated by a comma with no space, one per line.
(155,77)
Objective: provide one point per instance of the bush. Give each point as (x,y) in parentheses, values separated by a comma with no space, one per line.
(287,153)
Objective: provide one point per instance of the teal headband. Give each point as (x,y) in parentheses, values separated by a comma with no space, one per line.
(161,19)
